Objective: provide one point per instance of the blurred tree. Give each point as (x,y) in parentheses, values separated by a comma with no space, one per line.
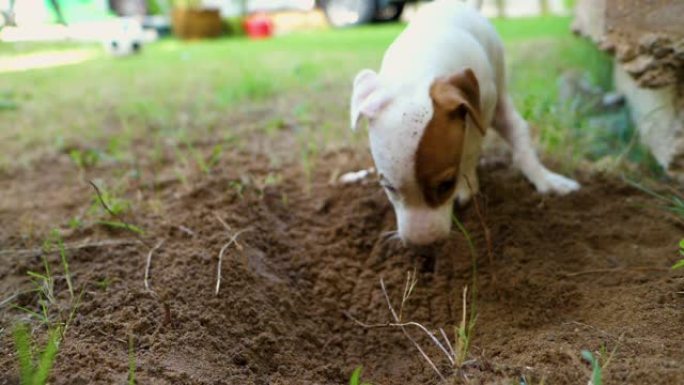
(544,7)
(501,8)
(58,12)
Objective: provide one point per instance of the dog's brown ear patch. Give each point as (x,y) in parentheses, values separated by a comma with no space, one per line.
(460,94)
(439,151)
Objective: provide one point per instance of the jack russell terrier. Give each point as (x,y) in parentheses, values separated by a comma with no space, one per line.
(441,85)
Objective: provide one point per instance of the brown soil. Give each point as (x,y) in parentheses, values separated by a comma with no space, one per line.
(565,274)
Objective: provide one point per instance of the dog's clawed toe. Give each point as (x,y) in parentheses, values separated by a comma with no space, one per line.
(552,183)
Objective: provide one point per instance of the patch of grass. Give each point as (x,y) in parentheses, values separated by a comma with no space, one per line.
(55,240)
(35,362)
(85,159)
(177,92)
(206,165)
(107,205)
(599,363)
(466,328)
(107,202)
(44,286)
(526,28)
(132,362)
(596,369)
(119,225)
(35,367)
(672,202)
(50,313)
(355,378)
(103,284)
(307,158)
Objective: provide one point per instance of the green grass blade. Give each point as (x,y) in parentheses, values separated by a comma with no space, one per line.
(131,361)
(122,225)
(48,275)
(680,263)
(37,275)
(65,263)
(595,367)
(473,255)
(31,313)
(356,376)
(47,359)
(22,345)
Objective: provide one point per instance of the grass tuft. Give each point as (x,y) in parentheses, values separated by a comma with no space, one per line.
(596,370)
(356,377)
(466,329)
(30,371)
(55,239)
(132,363)
(672,203)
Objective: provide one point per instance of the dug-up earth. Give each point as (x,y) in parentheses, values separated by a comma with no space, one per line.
(554,276)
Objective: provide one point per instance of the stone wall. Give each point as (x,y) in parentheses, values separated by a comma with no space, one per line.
(646,38)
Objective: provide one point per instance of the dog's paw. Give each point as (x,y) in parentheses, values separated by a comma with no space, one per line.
(552,183)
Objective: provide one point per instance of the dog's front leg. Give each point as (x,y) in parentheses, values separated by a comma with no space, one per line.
(514,129)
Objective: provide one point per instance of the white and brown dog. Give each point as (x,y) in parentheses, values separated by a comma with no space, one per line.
(441,85)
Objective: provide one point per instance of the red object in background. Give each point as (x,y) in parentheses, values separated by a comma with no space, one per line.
(259,26)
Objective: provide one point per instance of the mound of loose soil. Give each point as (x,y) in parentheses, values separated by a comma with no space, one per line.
(564,274)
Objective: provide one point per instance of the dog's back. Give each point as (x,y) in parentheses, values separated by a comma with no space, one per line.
(445,36)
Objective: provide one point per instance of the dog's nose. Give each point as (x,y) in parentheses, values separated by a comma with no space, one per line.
(423,239)
(422,226)
(422,233)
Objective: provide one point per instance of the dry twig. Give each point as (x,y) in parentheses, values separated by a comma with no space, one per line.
(149,262)
(233,240)
(614,270)
(403,329)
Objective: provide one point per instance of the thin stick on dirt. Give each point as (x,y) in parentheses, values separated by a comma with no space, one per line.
(411,282)
(402,325)
(233,240)
(222,222)
(85,245)
(615,270)
(413,341)
(9,299)
(448,343)
(149,262)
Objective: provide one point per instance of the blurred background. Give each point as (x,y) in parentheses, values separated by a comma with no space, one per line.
(99,76)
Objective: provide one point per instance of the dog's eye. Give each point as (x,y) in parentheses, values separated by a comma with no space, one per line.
(445,186)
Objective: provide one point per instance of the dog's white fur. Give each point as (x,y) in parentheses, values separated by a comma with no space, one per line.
(446,36)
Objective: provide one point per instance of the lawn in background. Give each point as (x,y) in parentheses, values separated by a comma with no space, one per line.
(185,90)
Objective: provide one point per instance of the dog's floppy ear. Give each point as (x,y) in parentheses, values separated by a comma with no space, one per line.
(461,92)
(368,97)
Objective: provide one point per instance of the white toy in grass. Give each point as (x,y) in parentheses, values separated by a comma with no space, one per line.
(125,38)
